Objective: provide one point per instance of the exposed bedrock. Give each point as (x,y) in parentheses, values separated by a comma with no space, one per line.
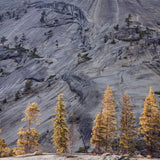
(66,9)
(89,97)
(81,47)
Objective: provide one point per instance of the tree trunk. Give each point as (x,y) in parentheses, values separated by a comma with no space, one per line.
(85,148)
(29,129)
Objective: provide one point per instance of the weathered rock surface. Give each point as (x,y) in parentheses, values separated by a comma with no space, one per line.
(71,157)
(73,59)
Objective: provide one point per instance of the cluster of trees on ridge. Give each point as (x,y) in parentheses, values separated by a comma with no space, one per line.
(104,132)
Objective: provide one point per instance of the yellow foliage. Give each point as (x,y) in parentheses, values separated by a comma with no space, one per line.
(127,126)
(61,132)
(28,140)
(32,112)
(150,123)
(109,118)
(4,150)
(97,138)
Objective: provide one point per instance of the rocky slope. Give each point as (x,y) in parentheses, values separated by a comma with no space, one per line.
(80,50)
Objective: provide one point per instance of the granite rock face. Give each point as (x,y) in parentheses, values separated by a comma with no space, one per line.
(81,47)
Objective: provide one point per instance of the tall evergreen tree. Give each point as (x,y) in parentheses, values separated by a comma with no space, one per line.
(4,150)
(127,126)
(61,132)
(109,118)
(150,123)
(28,140)
(97,139)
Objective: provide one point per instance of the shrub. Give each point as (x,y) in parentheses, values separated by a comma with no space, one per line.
(157,92)
(4,101)
(1,18)
(17,95)
(49,34)
(23,39)
(3,40)
(12,153)
(86,30)
(137,29)
(49,84)
(51,77)
(42,19)
(128,20)
(5,74)
(82,149)
(19,67)
(21,50)
(17,17)
(83,58)
(34,55)
(16,40)
(56,20)
(116,27)
(113,41)
(105,38)
(28,85)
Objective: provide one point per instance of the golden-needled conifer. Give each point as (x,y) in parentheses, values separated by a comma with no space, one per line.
(150,123)
(127,126)
(61,132)
(97,139)
(109,118)
(4,150)
(28,140)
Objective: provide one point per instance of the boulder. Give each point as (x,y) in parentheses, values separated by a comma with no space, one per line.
(39,152)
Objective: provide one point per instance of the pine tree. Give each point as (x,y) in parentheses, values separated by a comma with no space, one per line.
(4,150)
(109,118)
(127,126)
(150,123)
(97,139)
(61,132)
(28,140)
